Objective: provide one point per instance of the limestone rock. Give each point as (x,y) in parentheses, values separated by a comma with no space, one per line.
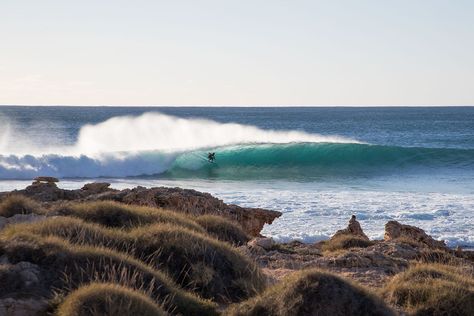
(186,201)
(22,307)
(395,230)
(46,179)
(262,242)
(20,218)
(353,229)
(96,187)
(21,297)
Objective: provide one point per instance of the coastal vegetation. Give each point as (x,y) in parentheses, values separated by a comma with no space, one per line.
(84,256)
(304,293)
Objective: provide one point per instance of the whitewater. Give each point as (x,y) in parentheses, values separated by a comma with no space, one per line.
(317,166)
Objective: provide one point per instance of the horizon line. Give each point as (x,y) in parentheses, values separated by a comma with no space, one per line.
(235,106)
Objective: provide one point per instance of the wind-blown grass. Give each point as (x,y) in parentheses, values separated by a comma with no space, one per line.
(65,267)
(313,292)
(117,215)
(19,204)
(197,262)
(223,229)
(106,299)
(433,289)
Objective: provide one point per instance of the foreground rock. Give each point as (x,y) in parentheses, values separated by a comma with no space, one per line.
(353,229)
(372,263)
(186,201)
(394,230)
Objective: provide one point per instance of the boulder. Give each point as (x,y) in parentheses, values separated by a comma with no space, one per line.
(262,242)
(96,187)
(20,295)
(353,229)
(23,307)
(20,218)
(394,230)
(45,179)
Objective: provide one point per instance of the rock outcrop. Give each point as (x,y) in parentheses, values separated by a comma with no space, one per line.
(186,201)
(353,229)
(20,218)
(394,230)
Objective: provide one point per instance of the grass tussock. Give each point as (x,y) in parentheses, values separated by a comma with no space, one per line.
(313,292)
(223,229)
(65,267)
(117,215)
(199,263)
(433,289)
(342,242)
(106,299)
(19,204)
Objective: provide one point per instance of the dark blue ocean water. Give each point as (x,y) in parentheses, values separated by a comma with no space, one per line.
(317,165)
(433,127)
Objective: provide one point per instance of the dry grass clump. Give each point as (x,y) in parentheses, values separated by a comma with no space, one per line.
(437,256)
(114,214)
(345,242)
(198,263)
(19,204)
(223,229)
(433,289)
(313,292)
(212,268)
(106,299)
(65,267)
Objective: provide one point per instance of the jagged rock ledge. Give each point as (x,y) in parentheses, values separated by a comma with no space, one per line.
(252,220)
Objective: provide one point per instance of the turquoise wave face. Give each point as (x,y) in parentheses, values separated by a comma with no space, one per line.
(312,160)
(296,161)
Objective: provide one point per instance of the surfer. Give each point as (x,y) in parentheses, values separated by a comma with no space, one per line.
(211,157)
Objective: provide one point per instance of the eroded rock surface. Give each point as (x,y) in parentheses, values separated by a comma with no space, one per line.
(394,230)
(353,229)
(186,201)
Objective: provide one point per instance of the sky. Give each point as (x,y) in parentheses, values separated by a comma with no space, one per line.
(226,52)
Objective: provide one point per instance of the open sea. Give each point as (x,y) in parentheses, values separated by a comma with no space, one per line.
(316,165)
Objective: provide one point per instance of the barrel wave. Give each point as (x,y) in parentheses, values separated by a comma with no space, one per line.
(289,161)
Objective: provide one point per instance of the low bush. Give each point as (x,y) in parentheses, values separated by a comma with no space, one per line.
(223,229)
(19,204)
(212,268)
(345,242)
(117,215)
(106,299)
(313,292)
(65,267)
(433,289)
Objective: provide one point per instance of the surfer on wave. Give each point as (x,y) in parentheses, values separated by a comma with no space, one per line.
(211,157)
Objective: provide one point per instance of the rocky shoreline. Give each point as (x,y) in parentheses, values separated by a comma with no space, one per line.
(373,264)
(191,202)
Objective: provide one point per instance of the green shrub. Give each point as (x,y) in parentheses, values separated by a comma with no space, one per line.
(19,204)
(106,299)
(313,292)
(345,242)
(433,289)
(117,215)
(65,267)
(223,229)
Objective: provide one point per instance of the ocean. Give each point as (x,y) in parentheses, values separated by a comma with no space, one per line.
(317,165)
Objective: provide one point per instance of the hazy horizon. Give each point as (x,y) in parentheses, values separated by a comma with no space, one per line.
(212,53)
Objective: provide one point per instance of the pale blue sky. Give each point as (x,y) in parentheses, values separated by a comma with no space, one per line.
(144,52)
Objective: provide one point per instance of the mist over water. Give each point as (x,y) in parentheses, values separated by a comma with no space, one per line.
(315,165)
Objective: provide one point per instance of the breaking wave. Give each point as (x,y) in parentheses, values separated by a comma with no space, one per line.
(166,146)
